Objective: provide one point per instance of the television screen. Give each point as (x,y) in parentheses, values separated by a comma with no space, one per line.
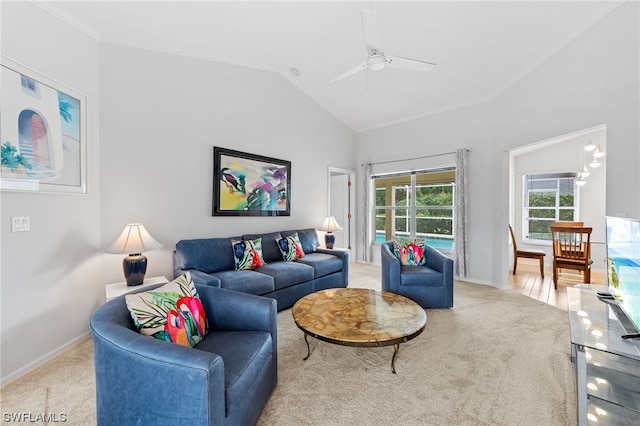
(623,265)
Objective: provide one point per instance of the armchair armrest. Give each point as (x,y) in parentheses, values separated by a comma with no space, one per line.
(434,259)
(438,261)
(236,311)
(390,267)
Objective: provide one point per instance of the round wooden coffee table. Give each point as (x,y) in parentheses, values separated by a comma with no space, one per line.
(359,317)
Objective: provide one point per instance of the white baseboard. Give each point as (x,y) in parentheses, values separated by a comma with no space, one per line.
(473,281)
(38,362)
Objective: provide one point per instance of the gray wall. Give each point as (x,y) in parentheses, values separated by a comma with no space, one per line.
(153,120)
(160,117)
(592,81)
(51,276)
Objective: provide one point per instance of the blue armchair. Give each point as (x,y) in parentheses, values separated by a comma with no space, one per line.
(226,379)
(431,285)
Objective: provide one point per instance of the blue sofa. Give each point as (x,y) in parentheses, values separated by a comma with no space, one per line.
(226,379)
(430,285)
(210,262)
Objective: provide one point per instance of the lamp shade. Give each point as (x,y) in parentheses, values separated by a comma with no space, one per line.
(598,153)
(134,239)
(330,224)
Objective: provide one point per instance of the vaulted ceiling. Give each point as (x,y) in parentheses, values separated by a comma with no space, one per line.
(479,48)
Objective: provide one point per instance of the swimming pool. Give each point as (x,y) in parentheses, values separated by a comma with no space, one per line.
(438,243)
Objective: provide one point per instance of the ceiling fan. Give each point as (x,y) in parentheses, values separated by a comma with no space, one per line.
(376,59)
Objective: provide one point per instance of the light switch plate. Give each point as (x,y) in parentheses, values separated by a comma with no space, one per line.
(20,223)
(16,224)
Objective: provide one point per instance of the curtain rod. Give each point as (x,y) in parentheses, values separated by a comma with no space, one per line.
(419,158)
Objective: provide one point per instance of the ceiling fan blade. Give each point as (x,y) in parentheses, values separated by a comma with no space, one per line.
(409,64)
(350,72)
(367,86)
(370,28)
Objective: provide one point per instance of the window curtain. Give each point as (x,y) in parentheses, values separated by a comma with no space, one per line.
(367,213)
(461,255)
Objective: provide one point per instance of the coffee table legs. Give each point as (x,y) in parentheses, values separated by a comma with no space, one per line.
(308,348)
(396,348)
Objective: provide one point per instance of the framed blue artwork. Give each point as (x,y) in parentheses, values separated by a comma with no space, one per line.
(43,133)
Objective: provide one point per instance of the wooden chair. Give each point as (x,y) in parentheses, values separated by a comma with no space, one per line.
(571,250)
(527,254)
(563,223)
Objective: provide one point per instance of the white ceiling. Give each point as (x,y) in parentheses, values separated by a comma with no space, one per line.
(480,48)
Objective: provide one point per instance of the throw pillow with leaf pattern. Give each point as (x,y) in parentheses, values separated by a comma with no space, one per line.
(172,312)
(290,247)
(248,254)
(409,252)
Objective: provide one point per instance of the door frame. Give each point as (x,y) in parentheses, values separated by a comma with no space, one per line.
(349,227)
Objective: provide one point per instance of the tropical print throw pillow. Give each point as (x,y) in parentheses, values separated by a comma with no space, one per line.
(409,252)
(248,254)
(172,312)
(290,247)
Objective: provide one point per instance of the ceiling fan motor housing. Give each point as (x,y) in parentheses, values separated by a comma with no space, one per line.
(376,62)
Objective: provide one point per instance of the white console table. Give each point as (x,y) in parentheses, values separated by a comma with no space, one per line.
(118,289)
(607,367)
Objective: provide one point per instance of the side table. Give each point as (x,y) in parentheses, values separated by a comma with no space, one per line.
(118,289)
(606,366)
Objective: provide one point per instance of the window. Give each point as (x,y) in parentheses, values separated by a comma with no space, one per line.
(548,198)
(416,205)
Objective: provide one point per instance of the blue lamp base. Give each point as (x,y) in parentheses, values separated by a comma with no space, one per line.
(329,240)
(134,267)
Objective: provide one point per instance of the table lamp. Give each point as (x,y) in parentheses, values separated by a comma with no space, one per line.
(133,241)
(329,225)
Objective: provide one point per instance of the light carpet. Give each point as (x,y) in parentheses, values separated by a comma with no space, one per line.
(495,358)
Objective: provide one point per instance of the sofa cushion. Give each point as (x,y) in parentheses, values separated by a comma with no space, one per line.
(270,249)
(245,354)
(247,254)
(420,275)
(308,238)
(245,281)
(286,274)
(205,254)
(291,248)
(172,312)
(408,251)
(322,264)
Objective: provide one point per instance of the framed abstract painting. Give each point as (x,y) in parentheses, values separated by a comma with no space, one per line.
(43,133)
(250,185)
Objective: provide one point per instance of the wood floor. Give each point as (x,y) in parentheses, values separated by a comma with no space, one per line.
(528,282)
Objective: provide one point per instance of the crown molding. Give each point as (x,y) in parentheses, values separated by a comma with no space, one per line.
(91,32)
(54,11)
